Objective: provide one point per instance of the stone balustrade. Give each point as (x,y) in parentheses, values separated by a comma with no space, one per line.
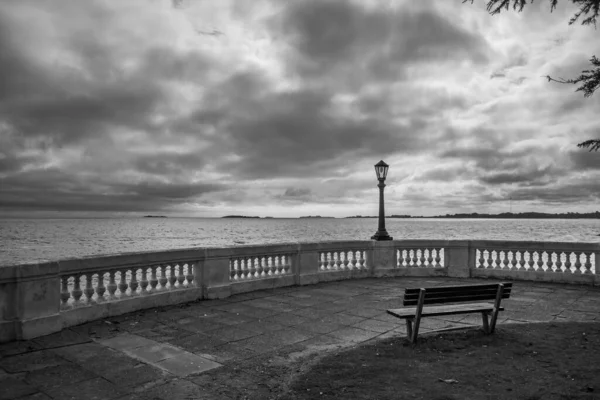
(38,299)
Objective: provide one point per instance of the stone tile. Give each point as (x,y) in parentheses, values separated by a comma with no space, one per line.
(363,312)
(134,376)
(293,335)
(353,335)
(385,317)
(235,319)
(164,333)
(343,319)
(97,330)
(179,389)
(261,326)
(13,388)
(200,325)
(187,364)
(263,343)
(322,341)
(92,389)
(312,312)
(61,375)
(231,334)
(65,337)
(88,352)
(18,347)
(287,319)
(320,326)
(198,343)
(376,325)
(230,352)
(31,361)
(126,341)
(154,352)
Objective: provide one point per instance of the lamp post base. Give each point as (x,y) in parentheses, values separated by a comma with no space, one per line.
(381,236)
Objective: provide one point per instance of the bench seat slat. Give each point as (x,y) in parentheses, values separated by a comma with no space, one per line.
(431,311)
(439,299)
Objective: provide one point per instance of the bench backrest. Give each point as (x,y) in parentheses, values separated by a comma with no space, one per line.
(456,294)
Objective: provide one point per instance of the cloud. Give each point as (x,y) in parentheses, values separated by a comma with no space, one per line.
(125,106)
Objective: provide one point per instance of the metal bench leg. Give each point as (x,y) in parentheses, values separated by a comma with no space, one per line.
(486,325)
(415,332)
(496,307)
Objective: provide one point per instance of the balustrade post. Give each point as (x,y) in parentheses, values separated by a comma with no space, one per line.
(384,260)
(30,298)
(308,262)
(459,258)
(215,278)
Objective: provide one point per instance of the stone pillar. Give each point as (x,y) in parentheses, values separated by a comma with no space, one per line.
(215,274)
(458,258)
(29,301)
(382,258)
(307,267)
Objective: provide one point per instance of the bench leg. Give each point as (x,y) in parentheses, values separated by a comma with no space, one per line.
(409,329)
(415,332)
(486,325)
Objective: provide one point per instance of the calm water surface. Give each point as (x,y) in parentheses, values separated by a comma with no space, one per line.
(31,240)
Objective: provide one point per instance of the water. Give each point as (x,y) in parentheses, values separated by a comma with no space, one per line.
(32,240)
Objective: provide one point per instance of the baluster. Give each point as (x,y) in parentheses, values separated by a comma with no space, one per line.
(480,260)
(123,282)
(438,257)
(530,262)
(233,266)
(133,282)
(558,264)
(362,260)
(260,269)
(541,261)
(189,276)
(494,259)
(163,277)
(401,258)
(287,264)
(321,261)
(422,258)
(144,282)
(337,262)
(153,278)
(578,263)
(89,288)
(77,292)
(588,263)
(112,285)
(505,255)
(64,289)
(522,261)
(180,275)
(429,259)
(513,260)
(280,261)
(550,261)
(353,261)
(251,268)
(346,262)
(414,258)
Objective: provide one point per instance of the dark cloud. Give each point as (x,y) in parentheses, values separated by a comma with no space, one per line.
(330,35)
(297,192)
(53,189)
(585,160)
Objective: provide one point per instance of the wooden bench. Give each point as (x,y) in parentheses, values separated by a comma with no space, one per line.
(465,299)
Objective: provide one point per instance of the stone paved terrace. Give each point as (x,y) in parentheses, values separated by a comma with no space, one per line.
(253,341)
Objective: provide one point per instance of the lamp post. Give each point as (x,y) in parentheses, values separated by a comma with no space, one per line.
(381,170)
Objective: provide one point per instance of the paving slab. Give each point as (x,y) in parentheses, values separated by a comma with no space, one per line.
(126,341)
(187,364)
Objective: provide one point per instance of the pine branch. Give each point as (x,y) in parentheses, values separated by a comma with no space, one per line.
(592,144)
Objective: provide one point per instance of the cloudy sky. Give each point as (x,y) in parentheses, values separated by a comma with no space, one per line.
(281,108)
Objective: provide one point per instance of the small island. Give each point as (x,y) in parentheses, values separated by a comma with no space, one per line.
(238,216)
(314,216)
(155,216)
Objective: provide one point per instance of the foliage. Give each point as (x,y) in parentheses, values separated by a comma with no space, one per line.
(590,78)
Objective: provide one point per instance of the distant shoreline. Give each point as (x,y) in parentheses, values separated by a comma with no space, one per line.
(527,215)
